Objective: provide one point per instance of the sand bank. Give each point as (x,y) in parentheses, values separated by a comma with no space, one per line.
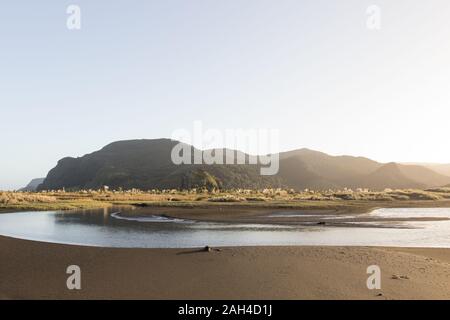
(34,270)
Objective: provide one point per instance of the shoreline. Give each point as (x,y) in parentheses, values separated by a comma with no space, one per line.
(216,247)
(36,270)
(336,207)
(238,214)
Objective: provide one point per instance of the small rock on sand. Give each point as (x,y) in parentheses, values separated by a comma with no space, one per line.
(397,277)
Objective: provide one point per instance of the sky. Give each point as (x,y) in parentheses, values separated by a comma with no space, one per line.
(313,70)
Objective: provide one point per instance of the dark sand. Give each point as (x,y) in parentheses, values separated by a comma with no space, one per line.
(34,270)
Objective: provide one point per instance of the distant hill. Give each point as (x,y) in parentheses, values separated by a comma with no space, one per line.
(146,164)
(440,168)
(33,185)
(306,168)
(393,175)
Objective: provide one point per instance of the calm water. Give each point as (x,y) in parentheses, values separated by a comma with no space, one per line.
(111,228)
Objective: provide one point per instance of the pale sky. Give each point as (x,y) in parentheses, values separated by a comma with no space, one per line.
(143,69)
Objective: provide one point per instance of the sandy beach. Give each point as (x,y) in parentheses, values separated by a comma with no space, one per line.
(35,270)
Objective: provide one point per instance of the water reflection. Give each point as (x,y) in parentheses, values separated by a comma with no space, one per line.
(120,227)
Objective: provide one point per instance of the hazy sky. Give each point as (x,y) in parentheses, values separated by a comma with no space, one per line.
(142,69)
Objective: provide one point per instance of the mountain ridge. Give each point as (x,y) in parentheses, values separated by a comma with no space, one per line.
(146,164)
(33,184)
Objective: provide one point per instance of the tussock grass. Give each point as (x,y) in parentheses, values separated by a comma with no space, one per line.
(226,198)
(43,201)
(266,198)
(12,198)
(414,195)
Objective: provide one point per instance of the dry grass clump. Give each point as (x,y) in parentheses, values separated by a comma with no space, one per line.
(442,192)
(439,190)
(12,198)
(346,196)
(110,196)
(391,195)
(256,199)
(381,197)
(226,198)
(313,197)
(414,195)
(399,197)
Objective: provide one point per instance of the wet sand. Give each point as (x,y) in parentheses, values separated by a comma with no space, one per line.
(34,270)
(235,213)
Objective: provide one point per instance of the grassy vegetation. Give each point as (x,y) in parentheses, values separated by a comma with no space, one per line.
(266,198)
(19,201)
